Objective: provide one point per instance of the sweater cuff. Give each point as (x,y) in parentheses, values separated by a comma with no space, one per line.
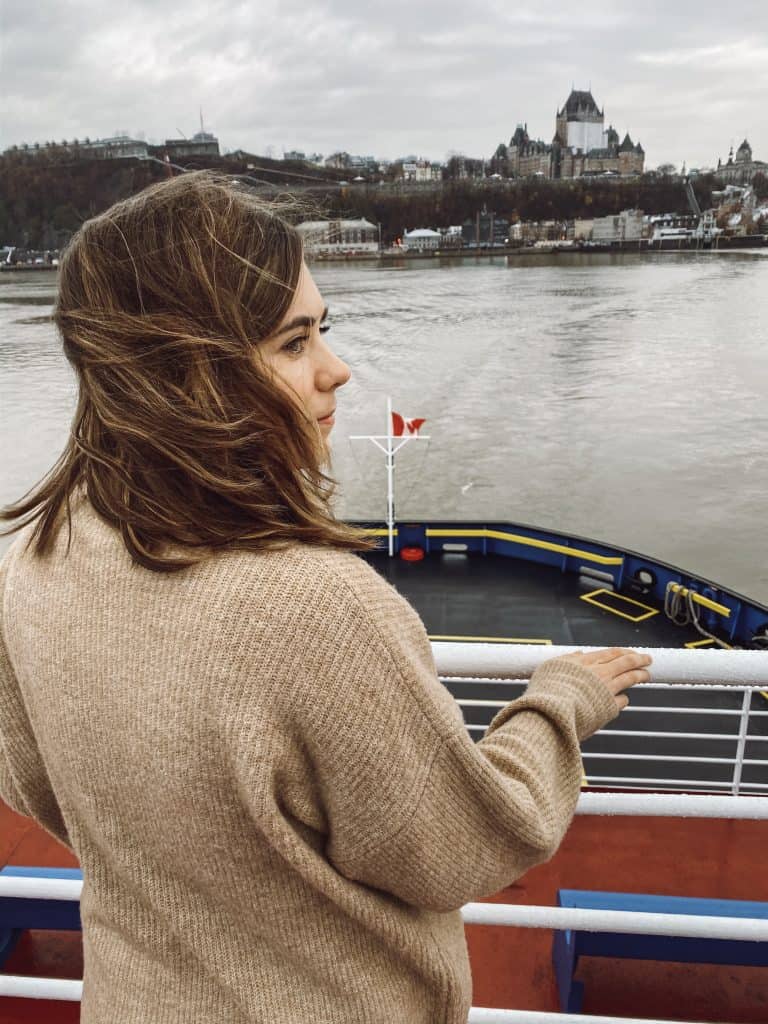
(593,703)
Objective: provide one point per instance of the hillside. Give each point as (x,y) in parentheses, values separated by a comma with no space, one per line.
(41,204)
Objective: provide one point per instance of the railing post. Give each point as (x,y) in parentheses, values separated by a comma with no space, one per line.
(742,742)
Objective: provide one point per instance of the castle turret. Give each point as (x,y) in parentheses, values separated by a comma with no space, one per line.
(627,146)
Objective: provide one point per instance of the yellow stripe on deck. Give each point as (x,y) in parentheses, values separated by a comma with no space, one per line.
(518,538)
(707,642)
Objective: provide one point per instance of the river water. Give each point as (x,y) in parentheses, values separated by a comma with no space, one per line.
(621,398)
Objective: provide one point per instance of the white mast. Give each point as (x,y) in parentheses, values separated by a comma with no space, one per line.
(392,444)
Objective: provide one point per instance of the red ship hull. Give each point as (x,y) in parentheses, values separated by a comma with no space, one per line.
(512,967)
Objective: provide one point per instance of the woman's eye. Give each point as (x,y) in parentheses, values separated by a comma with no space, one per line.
(296,345)
(324,328)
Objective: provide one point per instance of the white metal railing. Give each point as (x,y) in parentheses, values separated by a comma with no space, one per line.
(20,987)
(72,991)
(674,805)
(671,665)
(628,922)
(717,670)
(744,929)
(739,673)
(478,1015)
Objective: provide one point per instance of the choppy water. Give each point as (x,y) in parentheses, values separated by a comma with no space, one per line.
(618,397)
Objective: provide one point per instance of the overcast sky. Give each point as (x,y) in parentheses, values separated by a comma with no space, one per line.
(687,78)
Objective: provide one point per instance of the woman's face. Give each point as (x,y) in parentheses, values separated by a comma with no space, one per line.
(304,364)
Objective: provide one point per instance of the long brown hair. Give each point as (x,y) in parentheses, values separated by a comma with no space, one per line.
(181,436)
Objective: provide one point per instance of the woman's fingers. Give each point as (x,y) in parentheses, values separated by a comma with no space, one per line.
(617,668)
(609,655)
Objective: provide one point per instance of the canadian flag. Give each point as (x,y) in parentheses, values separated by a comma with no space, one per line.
(401,425)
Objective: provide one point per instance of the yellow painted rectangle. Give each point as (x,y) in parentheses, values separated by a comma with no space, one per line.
(648,612)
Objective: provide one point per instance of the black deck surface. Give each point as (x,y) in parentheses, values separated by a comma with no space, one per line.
(459,596)
(501,597)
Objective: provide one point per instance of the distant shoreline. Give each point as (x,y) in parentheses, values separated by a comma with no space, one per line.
(750,242)
(728,244)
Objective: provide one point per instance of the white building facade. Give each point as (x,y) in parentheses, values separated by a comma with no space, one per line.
(338,236)
(422,239)
(626,226)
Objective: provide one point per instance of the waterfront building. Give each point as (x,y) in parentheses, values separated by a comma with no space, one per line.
(626,226)
(580,229)
(336,236)
(534,232)
(741,168)
(581,145)
(422,239)
(665,226)
(485,229)
(451,237)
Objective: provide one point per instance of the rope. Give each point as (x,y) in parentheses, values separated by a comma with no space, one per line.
(681,609)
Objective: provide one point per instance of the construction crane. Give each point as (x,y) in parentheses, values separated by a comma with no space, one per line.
(692,200)
(705,229)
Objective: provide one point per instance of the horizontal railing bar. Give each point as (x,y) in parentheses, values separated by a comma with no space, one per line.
(627,922)
(619,756)
(621,779)
(480,1015)
(733,736)
(467,702)
(506,683)
(670,665)
(40,888)
(64,989)
(18,986)
(673,805)
(658,709)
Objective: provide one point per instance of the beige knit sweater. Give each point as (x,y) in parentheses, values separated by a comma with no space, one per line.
(275,802)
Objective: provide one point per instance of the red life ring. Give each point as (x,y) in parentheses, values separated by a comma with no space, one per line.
(412,554)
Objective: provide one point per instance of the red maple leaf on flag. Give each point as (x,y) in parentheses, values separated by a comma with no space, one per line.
(401,424)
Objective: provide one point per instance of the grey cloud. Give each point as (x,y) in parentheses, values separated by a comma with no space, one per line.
(391,78)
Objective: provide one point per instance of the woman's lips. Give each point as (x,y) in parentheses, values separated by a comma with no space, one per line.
(328,421)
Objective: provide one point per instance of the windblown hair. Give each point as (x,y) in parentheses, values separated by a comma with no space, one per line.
(181,438)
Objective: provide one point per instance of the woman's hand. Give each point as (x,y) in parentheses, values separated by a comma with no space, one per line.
(617,668)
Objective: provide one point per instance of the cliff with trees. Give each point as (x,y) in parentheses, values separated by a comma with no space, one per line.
(43,202)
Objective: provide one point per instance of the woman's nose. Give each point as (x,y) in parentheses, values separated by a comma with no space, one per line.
(334,372)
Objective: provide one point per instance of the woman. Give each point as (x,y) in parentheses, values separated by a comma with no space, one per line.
(227,715)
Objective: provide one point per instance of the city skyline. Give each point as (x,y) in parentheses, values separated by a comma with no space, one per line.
(387,80)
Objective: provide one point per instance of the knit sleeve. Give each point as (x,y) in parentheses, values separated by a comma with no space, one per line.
(416,808)
(24,783)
